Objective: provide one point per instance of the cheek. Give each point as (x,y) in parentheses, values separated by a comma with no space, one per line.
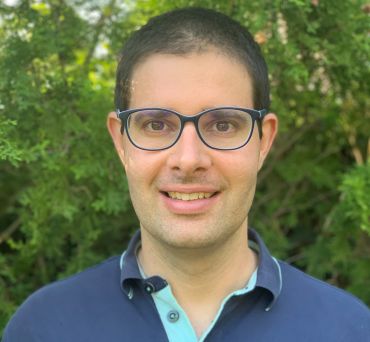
(137,174)
(241,167)
(142,167)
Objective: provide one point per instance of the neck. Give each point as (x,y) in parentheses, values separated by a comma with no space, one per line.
(230,262)
(200,278)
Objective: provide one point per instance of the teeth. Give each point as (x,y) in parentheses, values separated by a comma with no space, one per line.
(189,197)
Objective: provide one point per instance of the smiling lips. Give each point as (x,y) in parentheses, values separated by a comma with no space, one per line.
(189,196)
(190,203)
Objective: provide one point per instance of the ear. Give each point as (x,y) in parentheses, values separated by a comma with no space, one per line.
(114,128)
(269,131)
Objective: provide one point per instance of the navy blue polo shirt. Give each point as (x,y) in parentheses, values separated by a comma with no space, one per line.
(107,303)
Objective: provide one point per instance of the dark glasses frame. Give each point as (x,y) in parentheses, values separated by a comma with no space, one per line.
(256,115)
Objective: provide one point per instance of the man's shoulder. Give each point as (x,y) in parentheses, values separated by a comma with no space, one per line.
(94,277)
(299,280)
(95,286)
(310,295)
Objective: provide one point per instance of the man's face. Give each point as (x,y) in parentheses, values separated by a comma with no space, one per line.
(189,84)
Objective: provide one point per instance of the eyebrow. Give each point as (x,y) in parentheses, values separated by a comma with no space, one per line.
(160,114)
(224,114)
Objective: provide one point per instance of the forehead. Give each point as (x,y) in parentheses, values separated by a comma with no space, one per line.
(190,82)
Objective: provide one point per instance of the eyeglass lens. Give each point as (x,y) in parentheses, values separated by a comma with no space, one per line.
(219,128)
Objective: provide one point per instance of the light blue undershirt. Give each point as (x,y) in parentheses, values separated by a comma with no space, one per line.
(181,330)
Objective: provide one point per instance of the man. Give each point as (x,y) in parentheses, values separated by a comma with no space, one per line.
(192,131)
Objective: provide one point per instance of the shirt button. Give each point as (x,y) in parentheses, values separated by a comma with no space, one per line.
(149,287)
(173,316)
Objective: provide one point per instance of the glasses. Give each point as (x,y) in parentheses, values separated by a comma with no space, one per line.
(224,128)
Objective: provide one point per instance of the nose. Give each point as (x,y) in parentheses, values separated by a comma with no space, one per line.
(189,155)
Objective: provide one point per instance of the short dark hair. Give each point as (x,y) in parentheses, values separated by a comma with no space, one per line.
(187,30)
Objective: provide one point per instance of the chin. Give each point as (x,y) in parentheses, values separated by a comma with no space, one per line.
(194,238)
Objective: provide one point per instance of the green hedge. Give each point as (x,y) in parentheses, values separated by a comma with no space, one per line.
(64,203)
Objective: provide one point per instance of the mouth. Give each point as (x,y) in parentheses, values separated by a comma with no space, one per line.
(190,203)
(193,196)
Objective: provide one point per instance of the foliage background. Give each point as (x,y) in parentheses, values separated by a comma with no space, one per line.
(64,203)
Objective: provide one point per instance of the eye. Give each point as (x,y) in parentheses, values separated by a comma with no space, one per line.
(223,123)
(155,125)
(223,126)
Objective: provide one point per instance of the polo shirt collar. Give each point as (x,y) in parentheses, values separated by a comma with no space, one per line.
(128,262)
(130,272)
(268,273)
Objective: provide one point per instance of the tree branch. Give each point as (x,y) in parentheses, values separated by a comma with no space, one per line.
(355,149)
(10,230)
(99,28)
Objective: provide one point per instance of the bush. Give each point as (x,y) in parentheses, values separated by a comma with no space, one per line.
(64,202)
